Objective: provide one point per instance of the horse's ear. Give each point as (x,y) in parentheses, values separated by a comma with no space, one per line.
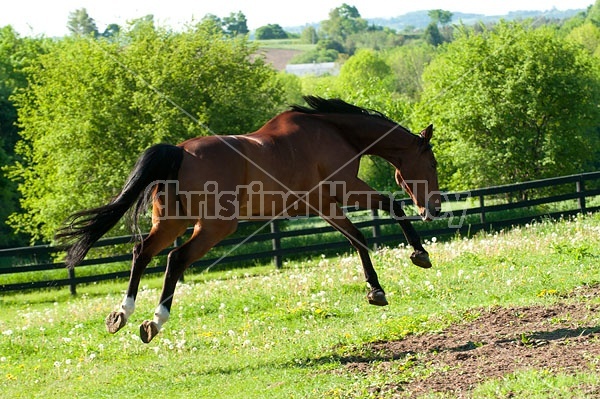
(427,133)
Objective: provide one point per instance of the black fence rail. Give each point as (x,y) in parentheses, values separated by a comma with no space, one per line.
(465,213)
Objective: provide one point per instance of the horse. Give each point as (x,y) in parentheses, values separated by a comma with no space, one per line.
(303,161)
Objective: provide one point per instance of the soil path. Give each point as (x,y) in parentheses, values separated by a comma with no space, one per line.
(564,337)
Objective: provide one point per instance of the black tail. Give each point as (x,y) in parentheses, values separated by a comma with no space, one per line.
(83,229)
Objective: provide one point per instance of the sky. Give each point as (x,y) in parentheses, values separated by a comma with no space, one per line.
(49,18)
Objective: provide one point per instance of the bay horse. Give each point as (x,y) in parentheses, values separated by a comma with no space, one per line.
(303,161)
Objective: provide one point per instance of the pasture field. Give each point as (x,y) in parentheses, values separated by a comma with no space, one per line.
(514,313)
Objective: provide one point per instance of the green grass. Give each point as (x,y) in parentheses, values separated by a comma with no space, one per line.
(264,333)
(288,44)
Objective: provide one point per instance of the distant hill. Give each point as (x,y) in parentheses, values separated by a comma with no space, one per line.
(420,19)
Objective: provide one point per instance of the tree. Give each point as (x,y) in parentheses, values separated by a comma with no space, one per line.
(236,24)
(407,63)
(343,21)
(270,31)
(211,23)
(93,106)
(432,35)
(440,17)
(588,35)
(309,35)
(80,23)
(376,38)
(593,13)
(503,102)
(325,51)
(16,55)
(111,31)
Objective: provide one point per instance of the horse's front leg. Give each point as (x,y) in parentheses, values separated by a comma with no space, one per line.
(420,256)
(376,295)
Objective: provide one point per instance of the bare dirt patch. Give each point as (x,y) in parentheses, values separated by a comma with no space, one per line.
(278,57)
(564,337)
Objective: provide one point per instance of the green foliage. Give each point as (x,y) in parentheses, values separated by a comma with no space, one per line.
(325,51)
(441,17)
(499,101)
(93,106)
(587,35)
(343,21)
(593,13)
(16,54)
(432,35)
(407,63)
(270,31)
(80,23)
(236,24)
(309,35)
(376,39)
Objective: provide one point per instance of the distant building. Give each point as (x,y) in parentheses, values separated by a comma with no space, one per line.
(316,69)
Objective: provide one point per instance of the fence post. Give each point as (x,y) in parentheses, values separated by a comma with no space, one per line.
(276,243)
(580,188)
(376,228)
(72,283)
(482,207)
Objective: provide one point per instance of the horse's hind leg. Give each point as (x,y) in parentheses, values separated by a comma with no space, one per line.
(206,234)
(161,236)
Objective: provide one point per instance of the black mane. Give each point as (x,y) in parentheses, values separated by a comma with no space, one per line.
(318,105)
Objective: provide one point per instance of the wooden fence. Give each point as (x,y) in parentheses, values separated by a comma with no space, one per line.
(466,212)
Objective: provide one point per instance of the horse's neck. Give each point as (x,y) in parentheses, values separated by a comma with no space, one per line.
(390,144)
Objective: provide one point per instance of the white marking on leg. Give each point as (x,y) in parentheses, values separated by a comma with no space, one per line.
(128,306)
(161,315)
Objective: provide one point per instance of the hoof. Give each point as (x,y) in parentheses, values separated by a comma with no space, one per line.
(421,259)
(148,330)
(115,321)
(377,297)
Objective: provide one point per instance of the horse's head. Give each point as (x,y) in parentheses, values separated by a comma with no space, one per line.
(417,175)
